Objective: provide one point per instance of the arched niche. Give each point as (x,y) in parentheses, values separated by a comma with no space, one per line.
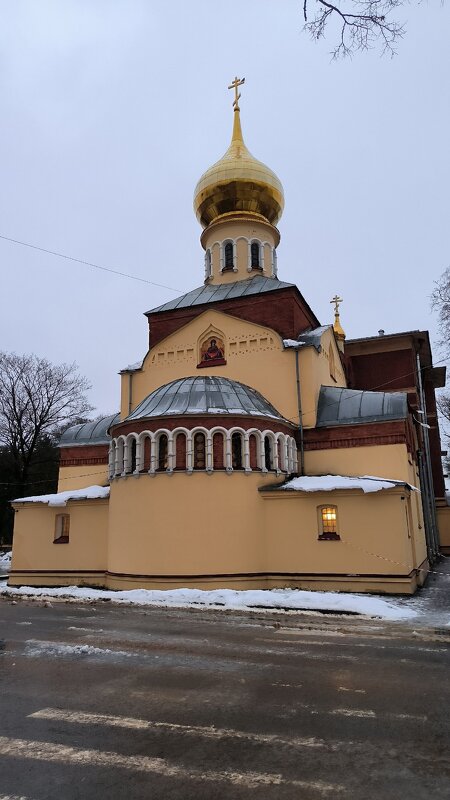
(211,348)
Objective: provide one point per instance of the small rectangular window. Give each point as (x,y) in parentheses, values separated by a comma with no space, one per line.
(328,528)
(62,526)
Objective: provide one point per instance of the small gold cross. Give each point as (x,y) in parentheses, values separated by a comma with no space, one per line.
(234,85)
(337,301)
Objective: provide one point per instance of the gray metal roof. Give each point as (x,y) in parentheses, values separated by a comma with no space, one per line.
(89,432)
(223,291)
(339,406)
(204,395)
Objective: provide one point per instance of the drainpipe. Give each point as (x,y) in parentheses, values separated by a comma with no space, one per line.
(426,469)
(130,392)
(300,421)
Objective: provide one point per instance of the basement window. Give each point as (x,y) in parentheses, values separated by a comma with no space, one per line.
(328,527)
(62,525)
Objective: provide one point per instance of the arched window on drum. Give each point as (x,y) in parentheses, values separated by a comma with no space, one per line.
(268,461)
(163,453)
(255,255)
(237,460)
(199,451)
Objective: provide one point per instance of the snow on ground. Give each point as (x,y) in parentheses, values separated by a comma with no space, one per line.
(259,599)
(62,498)
(5,559)
(326,483)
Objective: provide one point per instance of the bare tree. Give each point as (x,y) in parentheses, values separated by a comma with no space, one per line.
(361,24)
(36,398)
(440,302)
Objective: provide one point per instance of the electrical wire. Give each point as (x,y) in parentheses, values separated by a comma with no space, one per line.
(88,263)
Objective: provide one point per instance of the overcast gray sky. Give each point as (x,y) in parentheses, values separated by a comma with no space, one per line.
(112,109)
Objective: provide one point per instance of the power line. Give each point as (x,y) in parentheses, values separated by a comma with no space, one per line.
(88,263)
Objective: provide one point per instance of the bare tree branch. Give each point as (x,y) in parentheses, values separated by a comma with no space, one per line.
(365,24)
(36,397)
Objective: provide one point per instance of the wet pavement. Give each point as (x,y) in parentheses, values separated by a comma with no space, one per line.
(102,701)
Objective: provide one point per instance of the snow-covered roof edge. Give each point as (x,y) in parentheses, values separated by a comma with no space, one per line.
(62,498)
(330,483)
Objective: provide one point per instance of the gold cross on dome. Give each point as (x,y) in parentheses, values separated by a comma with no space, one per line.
(234,85)
(337,301)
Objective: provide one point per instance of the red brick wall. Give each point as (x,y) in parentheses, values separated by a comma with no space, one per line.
(285,311)
(208,422)
(89,454)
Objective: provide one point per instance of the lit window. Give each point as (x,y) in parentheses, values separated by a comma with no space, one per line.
(328,523)
(62,525)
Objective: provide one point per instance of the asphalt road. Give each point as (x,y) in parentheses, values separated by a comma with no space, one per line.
(111,702)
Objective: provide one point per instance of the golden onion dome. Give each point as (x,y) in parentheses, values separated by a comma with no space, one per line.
(238,183)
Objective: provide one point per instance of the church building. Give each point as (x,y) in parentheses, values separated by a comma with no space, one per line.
(254,447)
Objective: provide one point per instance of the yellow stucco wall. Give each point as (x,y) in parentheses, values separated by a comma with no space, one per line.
(443,520)
(372,528)
(387,461)
(81,476)
(254,355)
(34,548)
(209,530)
(182,525)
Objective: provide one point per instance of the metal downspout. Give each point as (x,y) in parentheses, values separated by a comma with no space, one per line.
(130,392)
(300,420)
(434,534)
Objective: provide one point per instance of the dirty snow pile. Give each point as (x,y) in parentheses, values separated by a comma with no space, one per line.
(62,498)
(5,559)
(327,483)
(258,599)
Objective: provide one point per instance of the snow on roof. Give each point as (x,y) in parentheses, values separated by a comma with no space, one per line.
(133,367)
(62,498)
(292,343)
(329,483)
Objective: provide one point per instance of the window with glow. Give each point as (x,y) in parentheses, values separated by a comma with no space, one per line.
(328,522)
(62,526)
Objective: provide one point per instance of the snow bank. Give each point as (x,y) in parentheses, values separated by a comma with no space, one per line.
(62,498)
(5,559)
(260,599)
(327,483)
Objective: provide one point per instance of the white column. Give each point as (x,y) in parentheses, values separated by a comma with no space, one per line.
(111,460)
(285,454)
(170,453)
(126,450)
(189,452)
(228,456)
(262,454)
(247,466)
(209,452)
(153,455)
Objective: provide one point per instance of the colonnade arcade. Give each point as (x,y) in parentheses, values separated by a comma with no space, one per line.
(203,449)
